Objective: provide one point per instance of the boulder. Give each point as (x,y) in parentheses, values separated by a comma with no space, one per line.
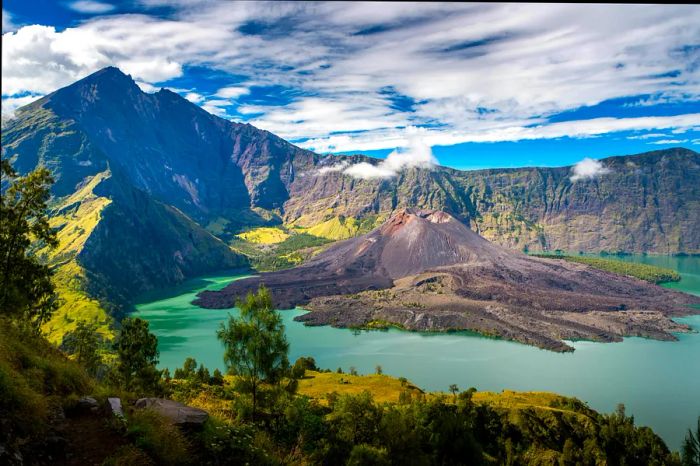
(114,407)
(178,413)
(87,403)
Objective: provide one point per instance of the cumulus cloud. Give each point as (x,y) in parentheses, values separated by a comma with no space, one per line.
(333,168)
(232,92)
(146,87)
(416,154)
(588,169)
(90,7)
(9,105)
(7,24)
(194,97)
(353,75)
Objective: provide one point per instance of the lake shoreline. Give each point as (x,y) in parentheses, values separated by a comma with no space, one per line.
(654,379)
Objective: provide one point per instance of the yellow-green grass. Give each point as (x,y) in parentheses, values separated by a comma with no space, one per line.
(34,377)
(217,227)
(336,228)
(509,399)
(75,217)
(646,272)
(264,235)
(75,306)
(384,388)
(79,215)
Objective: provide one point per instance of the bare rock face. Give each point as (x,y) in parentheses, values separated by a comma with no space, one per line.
(113,406)
(179,414)
(87,403)
(425,270)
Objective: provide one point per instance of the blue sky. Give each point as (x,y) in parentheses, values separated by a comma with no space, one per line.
(464,85)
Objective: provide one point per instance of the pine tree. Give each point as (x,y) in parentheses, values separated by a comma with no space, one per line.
(26,291)
(255,345)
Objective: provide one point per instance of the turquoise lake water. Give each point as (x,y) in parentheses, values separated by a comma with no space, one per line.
(659,382)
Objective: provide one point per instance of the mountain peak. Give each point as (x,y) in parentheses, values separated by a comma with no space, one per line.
(110,76)
(106,84)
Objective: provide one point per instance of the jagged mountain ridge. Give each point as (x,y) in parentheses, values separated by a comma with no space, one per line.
(646,203)
(238,176)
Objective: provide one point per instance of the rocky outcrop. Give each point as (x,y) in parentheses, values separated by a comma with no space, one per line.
(178,413)
(113,407)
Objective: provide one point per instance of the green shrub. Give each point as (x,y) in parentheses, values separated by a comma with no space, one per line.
(128,455)
(156,436)
(646,272)
(367,455)
(221,443)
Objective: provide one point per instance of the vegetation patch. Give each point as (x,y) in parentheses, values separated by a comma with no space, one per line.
(336,228)
(264,235)
(292,251)
(649,273)
(384,388)
(74,218)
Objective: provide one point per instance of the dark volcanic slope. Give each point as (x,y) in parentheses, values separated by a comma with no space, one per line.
(428,271)
(407,244)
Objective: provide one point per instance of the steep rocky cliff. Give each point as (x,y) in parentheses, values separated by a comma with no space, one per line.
(644,203)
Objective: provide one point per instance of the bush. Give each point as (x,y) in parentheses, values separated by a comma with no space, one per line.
(227,444)
(367,455)
(128,455)
(156,436)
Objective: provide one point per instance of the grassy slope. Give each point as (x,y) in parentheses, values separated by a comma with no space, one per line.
(275,248)
(649,273)
(75,218)
(336,228)
(35,377)
(383,387)
(386,388)
(264,235)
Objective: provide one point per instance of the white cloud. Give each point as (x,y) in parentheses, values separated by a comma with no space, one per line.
(333,168)
(145,87)
(650,135)
(9,105)
(447,137)
(588,169)
(366,171)
(356,74)
(7,24)
(669,141)
(90,7)
(194,97)
(416,154)
(231,92)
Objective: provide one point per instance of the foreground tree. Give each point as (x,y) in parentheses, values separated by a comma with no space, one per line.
(137,356)
(84,343)
(690,450)
(26,290)
(255,345)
